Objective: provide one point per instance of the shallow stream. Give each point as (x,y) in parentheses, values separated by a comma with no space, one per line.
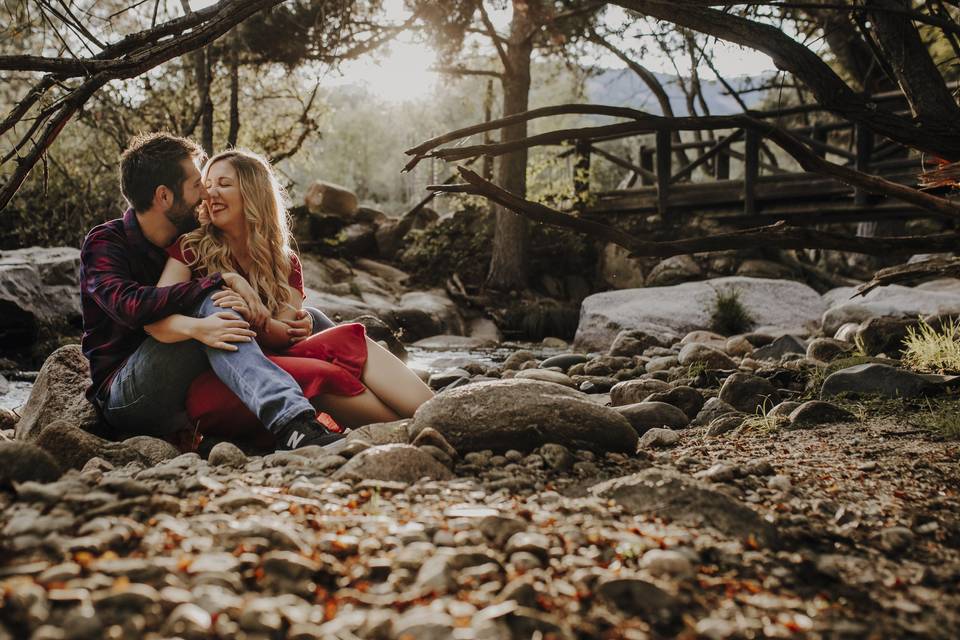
(428,360)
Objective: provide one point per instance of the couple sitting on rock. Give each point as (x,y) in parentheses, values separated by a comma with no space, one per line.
(193,318)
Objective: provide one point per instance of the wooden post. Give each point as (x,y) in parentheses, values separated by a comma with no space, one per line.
(820,135)
(581,172)
(664,151)
(751,170)
(646,161)
(721,168)
(864,150)
(487,171)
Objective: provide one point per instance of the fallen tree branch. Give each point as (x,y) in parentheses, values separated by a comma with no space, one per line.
(773,236)
(912,273)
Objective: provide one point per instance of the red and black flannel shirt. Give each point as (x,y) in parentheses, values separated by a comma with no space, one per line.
(119,270)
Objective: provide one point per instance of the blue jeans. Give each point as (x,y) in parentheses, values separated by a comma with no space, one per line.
(148,394)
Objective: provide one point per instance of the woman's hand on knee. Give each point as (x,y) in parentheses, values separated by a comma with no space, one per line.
(257,312)
(222,330)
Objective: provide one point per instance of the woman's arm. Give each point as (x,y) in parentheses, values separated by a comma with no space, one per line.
(282,332)
(178,327)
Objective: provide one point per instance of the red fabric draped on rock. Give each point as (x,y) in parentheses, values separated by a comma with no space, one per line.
(327,362)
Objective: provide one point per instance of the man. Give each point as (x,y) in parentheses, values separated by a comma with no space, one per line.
(139,384)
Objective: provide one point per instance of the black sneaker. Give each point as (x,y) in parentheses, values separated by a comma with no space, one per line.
(303,431)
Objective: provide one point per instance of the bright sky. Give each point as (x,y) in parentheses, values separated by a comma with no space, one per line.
(401,71)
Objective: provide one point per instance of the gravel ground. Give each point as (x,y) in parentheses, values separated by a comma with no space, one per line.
(515,546)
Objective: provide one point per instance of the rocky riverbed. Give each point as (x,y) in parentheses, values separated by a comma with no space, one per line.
(849,530)
(651,491)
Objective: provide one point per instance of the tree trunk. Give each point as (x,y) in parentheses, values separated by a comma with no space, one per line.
(849,49)
(234,131)
(940,136)
(205,73)
(930,99)
(508,269)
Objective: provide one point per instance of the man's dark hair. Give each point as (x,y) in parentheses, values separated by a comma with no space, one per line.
(151,160)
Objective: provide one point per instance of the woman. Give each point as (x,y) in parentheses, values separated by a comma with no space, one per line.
(245,229)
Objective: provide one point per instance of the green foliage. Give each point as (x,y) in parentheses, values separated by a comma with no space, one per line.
(728,316)
(456,244)
(932,351)
(938,415)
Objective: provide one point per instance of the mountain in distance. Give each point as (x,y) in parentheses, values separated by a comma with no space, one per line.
(624,88)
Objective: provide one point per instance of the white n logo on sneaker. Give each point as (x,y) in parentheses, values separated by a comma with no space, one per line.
(295,439)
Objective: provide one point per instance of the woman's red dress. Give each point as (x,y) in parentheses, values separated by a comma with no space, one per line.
(331,362)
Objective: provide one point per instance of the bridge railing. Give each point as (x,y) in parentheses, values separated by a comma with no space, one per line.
(855,144)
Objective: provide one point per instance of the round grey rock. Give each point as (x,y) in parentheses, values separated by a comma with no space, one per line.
(748,393)
(23,461)
(817,412)
(226,454)
(633,391)
(523,415)
(153,449)
(398,462)
(696,353)
(644,416)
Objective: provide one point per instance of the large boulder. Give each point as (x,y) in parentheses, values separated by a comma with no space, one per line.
(326,197)
(58,394)
(885,335)
(674,270)
(38,286)
(781,305)
(939,297)
(72,447)
(523,415)
(875,379)
(23,462)
(393,462)
(670,494)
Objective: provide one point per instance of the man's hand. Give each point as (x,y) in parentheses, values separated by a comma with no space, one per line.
(221,330)
(300,327)
(257,313)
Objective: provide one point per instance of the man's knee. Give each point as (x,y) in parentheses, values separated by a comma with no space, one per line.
(208,307)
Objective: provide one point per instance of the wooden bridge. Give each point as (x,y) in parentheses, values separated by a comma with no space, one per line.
(760,190)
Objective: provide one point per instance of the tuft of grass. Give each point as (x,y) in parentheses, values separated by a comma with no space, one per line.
(859,348)
(728,316)
(941,417)
(762,421)
(931,351)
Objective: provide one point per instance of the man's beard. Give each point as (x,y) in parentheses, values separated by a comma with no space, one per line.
(183,216)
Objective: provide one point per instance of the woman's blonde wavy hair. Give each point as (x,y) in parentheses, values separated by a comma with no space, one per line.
(268,231)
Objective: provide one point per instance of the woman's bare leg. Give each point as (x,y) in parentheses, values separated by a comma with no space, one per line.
(393,382)
(355,411)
